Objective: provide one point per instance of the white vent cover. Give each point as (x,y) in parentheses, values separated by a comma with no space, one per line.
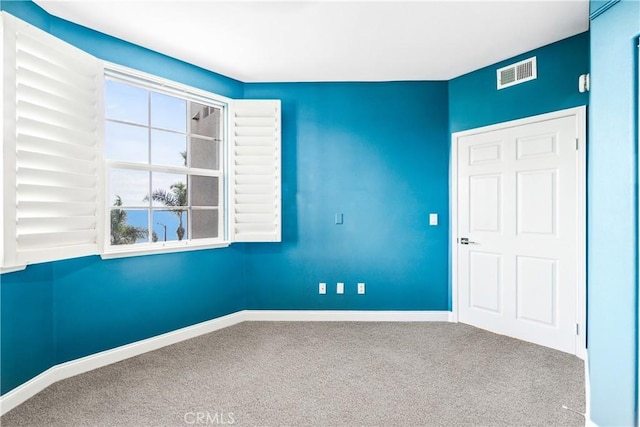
(517,73)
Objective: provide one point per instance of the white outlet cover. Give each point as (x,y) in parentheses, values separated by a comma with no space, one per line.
(340,288)
(322,288)
(361,288)
(433,219)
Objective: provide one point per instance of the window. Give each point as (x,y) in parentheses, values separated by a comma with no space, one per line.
(127,163)
(163,156)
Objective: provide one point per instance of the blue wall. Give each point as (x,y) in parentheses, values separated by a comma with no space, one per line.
(55,312)
(613,215)
(474,100)
(102,304)
(26,320)
(378,154)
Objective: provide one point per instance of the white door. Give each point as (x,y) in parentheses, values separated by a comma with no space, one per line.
(517,207)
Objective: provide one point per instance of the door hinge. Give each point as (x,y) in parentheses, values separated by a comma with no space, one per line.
(577,329)
(577,142)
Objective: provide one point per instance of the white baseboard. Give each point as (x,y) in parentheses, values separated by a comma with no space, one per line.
(346,316)
(69,369)
(588,422)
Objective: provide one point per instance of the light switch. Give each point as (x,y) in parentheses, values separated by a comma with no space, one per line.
(338,218)
(433,219)
(322,288)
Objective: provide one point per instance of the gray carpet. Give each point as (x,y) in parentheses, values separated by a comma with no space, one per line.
(337,374)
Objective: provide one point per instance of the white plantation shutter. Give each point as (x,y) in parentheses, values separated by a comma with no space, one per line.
(52,123)
(255,207)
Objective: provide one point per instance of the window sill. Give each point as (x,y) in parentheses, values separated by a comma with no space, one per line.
(130,251)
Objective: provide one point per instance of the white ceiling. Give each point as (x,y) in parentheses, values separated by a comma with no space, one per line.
(289,41)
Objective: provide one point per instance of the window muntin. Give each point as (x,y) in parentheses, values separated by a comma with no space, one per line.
(164,171)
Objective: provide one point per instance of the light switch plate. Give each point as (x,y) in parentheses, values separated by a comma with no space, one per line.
(433,219)
(322,288)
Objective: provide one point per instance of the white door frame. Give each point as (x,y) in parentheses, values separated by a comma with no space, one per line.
(580,114)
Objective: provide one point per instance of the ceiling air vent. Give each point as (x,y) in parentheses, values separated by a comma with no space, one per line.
(517,73)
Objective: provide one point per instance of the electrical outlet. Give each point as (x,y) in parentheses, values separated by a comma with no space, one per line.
(340,288)
(361,288)
(322,288)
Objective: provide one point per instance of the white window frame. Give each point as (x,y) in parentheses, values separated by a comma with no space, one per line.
(164,86)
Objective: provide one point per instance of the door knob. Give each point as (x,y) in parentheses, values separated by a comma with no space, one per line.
(466,241)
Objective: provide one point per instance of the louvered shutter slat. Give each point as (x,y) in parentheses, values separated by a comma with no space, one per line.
(53,241)
(265,208)
(50,178)
(252,170)
(258,229)
(252,179)
(256,205)
(46,146)
(31,126)
(255,189)
(54,224)
(253,141)
(255,151)
(48,209)
(52,148)
(47,193)
(248,199)
(255,160)
(44,161)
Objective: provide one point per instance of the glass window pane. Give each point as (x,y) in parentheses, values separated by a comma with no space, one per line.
(168,112)
(129,226)
(169,189)
(205,154)
(204,223)
(125,102)
(128,188)
(169,225)
(168,148)
(205,120)
(126,142)
(204,190)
